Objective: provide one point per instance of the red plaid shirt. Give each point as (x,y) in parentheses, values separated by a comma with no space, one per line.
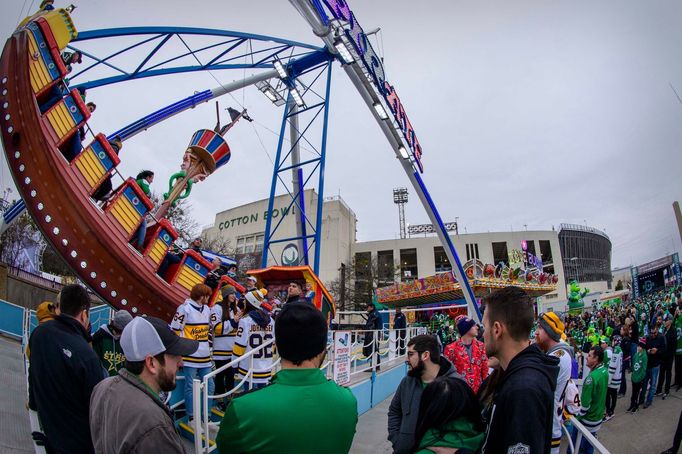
(475,370)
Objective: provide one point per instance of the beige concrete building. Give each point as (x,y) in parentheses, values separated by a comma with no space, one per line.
(423,256)
(244,228)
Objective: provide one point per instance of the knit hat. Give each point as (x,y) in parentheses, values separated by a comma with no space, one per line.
(252,279)
(604,340)
(552,325)
(121,319)
(227,291)
(45,311)
(464,324)
(642,342)
(301,332)
(149,336)
(256,297)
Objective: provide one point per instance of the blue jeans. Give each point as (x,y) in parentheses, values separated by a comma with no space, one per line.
(650,379)
(196,373)
(585,446)
(141,233)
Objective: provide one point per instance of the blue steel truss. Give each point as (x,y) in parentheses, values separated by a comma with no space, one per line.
(314,119)
(158,51)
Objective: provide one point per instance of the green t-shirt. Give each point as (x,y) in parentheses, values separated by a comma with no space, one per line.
(593,395)
(639,366)
(300,411)
(678,327)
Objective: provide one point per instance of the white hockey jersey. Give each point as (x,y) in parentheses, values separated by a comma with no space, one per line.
(224,334)
(615,369)
(193,321)
(255,329)
(562,352)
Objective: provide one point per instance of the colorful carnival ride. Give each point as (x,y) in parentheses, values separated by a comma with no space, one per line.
(483,279)
(64,171)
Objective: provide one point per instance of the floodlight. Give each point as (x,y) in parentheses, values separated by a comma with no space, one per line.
(344,52)
(281,70)
(403,152)
(297,97)
(380,110)
(270,92)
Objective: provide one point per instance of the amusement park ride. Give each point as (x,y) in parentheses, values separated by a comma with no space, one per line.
(59,164)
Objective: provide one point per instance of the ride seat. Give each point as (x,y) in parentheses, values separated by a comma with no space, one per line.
(96,163)
(190,271)
(158,241)
(46,67)
(128,206)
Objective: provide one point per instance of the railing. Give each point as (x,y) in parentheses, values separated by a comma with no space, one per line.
(34,278)
(583,436)
(389,344)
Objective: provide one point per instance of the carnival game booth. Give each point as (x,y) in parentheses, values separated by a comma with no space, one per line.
(483,279)
(276,279)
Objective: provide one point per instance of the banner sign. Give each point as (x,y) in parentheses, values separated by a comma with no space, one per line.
(371,63)
(342,345)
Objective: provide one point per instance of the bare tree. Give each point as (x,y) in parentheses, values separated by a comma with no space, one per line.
(179,215)
(365,274)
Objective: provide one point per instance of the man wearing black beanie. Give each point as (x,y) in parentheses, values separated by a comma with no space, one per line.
(300,404)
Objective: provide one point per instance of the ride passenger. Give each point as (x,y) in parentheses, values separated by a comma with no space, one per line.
(143,180)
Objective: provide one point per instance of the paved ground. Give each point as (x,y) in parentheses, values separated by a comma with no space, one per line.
(648,431)
(16,433)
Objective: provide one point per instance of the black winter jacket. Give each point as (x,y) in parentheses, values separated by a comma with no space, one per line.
(404,409)
(520,419)
(670,343)
(64,370)
(654,359)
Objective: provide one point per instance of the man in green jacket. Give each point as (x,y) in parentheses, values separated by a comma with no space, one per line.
(300,411)
(593,396)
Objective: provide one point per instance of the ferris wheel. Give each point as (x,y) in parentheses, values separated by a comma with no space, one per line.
(67,173)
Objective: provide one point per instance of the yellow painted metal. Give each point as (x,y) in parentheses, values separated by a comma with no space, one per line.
(157,252)
(91,168)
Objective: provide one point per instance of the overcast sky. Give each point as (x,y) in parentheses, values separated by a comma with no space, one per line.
(530,113)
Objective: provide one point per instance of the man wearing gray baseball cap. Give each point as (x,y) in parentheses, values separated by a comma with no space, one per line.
(126,412)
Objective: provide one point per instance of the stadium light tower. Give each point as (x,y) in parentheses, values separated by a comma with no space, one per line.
(400,199)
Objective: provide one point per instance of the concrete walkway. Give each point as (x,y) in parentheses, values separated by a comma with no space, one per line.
(648,431)
(16,432)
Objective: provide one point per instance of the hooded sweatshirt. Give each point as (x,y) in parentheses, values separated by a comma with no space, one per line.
(523,405)
(404,409)
(460,434)
(108,349)
(255,329)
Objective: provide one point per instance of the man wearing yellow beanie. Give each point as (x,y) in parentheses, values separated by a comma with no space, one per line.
(548,337)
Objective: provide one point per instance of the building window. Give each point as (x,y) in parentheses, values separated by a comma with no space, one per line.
(385,268)
(441,260)
(363,266)
(240,246)
(500,253)
(408,264)
(249,243)
(546,256)
(530,247)
(472,251)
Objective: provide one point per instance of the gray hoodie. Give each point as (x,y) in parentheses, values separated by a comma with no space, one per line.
(404,409)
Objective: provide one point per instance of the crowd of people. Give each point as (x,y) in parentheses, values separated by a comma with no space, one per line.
(506,386)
